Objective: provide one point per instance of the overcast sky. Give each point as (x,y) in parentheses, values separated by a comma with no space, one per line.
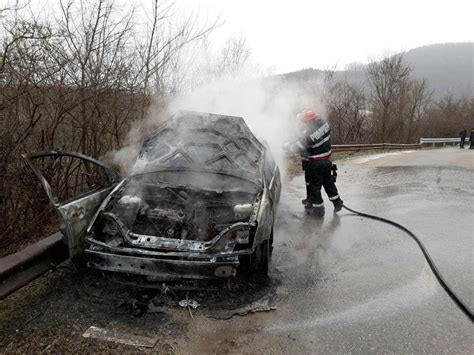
(288,35)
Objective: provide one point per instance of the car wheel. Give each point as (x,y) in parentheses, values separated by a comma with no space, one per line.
(79,263)
(263,258)
(245,265)
(270,251)
(257,263)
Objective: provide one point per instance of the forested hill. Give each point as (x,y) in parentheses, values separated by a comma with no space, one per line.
(447,68)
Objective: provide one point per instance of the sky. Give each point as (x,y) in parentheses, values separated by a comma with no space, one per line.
(288,35)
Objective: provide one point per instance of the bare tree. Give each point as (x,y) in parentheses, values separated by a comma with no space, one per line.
(419,102)
(388,81)
(77,81)
(233,56)
(391,109)
(347,113)
(164,41)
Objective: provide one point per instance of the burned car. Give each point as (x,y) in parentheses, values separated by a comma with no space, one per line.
(199,203)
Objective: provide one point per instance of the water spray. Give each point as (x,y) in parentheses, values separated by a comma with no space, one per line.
(442,281)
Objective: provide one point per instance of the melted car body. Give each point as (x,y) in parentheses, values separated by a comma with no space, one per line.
(199,203)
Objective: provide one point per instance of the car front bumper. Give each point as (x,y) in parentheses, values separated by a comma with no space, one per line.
(166,267)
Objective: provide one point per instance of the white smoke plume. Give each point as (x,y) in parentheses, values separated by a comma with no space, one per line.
(268,106)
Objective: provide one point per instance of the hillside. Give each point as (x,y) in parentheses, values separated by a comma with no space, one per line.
(448,68)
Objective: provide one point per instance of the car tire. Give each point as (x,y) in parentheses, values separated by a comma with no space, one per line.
(245,266)
(263,258)
(270,251)
(79,263)
(257,263)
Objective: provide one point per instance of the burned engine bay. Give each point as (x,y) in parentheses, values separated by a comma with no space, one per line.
(147,215)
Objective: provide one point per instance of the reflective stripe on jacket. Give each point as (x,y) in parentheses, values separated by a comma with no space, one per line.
(315,143)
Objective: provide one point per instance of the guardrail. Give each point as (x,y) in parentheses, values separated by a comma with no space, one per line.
(381,146)
(19,269)
(377,146)
(442,141)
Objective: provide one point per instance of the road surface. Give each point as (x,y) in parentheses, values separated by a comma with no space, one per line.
(340,284)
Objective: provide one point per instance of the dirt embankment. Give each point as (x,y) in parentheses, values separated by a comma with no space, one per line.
(52,313)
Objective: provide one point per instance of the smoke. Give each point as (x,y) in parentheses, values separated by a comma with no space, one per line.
(268,106)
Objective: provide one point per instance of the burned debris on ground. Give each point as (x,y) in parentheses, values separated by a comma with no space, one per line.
(214,298)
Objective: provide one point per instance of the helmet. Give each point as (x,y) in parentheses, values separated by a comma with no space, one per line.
(308,114)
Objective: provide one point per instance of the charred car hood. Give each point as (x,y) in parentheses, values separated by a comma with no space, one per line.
(194,141)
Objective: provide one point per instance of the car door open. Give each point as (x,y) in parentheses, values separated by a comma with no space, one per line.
(76,185)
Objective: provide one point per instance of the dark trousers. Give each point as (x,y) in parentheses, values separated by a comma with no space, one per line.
(461,145)
(316,177)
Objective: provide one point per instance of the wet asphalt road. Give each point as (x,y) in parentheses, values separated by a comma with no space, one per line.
(350,284)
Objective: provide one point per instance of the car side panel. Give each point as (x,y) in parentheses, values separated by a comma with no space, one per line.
(75,217)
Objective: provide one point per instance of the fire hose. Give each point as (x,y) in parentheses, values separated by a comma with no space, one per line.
(442,281)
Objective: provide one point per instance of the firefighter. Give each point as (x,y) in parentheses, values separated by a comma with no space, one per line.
(314,147)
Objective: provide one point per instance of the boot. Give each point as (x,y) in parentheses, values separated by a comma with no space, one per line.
(306,203)
(338,205)
(314,209)
(318,211)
